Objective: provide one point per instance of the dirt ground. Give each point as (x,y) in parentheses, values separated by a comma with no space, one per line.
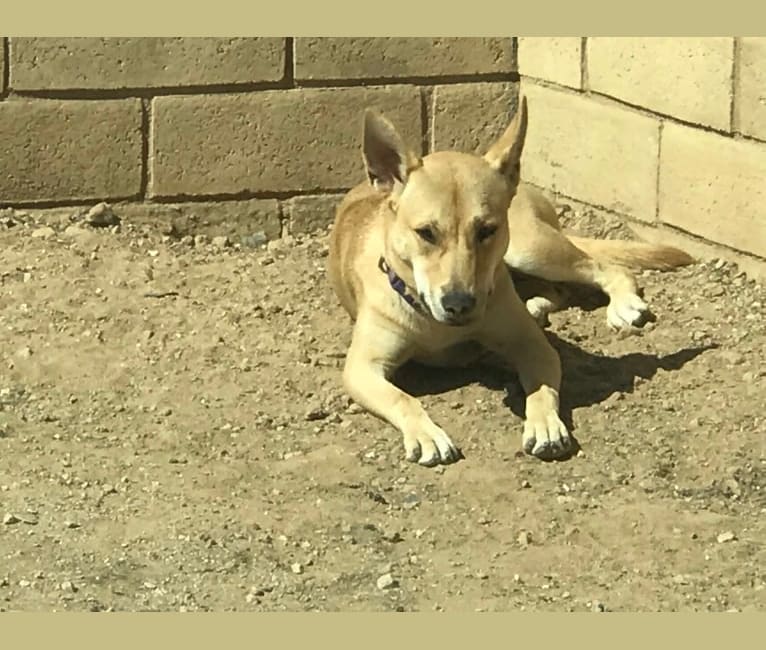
(174,436)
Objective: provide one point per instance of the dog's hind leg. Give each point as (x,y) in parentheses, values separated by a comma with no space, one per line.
(544,252)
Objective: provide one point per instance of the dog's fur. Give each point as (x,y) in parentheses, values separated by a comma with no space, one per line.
(450,226)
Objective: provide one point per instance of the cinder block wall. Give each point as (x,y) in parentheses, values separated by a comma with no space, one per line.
(669,133)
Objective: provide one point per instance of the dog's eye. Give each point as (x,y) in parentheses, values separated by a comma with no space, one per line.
(485,231)
(426,233)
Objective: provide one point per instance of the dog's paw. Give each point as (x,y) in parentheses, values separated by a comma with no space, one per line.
(539,307)
(430,446)
(547,437)
(627,312)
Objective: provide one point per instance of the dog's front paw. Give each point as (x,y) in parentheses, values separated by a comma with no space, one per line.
(539,307)
(547,437)
(627,312)
(429,446)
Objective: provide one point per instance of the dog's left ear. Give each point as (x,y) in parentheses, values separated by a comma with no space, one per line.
(505,154)
(387,159)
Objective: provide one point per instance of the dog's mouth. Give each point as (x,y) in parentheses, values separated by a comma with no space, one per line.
(452,321)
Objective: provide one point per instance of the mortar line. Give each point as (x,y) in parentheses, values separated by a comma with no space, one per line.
(426,99)
(614,102)
(584,80)
(146,146)
(659,163)
(6,71)
(733,117)
(289,72)
(251,87)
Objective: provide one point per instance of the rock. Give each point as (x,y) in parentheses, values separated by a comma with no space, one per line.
(598,606)
(222,241)
(386,581)
(525,538)
(316,412)
(200,240)
(102,216)
(255,240)
(727,536)
(68,586)
(10,519)
(24,352)
(76,231)
(410,501)
(43,232)
(296,567)
(526,484)
(71,524)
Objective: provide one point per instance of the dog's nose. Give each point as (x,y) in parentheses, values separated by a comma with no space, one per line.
(458,303)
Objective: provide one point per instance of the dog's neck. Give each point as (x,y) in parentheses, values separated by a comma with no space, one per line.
(399,285)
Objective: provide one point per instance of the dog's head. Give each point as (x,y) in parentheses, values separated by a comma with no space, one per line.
(447,229)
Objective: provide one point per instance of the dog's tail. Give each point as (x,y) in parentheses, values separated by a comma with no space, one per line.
(636,255)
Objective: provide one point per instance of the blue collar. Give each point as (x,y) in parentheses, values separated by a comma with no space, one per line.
(398,285)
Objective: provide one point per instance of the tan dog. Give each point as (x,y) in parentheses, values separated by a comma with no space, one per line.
(420,257)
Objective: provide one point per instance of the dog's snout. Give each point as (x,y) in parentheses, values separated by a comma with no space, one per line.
(458,303)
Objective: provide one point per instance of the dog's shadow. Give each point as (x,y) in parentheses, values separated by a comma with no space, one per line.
(588,378)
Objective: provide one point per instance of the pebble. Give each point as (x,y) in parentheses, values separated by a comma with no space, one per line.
(524,538)
(222,241)
(24,352)
(316,413)
(255,240)
(102,216)
(46,231)
(386,581)
(10,519)
(296,567)
(71,524)
(727,536)
(597,606)
(69,586)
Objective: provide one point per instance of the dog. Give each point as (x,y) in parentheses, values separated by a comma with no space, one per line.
(419,257)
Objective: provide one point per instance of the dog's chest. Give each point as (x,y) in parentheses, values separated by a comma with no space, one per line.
(452,354)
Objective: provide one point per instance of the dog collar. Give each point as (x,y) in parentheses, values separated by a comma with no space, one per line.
(398,285)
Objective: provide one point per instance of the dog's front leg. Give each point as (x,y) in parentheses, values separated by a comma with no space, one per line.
(374,355)
(512,334)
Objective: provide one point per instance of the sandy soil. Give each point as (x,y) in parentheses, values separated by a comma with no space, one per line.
(174,436)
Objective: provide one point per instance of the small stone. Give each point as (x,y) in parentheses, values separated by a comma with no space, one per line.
(200,240)
(296,567)
(71,524)
(10,519)
(102,216)
(24,583)
(153,252)
(222,241)
(255,240)
(24,352)
(526,484)
(68,586)
(386,581)
(410,501)
(727,536)
(524,538)
(44,232)
(316,413)
(598,606)
(680,579)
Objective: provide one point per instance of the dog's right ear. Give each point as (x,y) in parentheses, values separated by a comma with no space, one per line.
(388,160)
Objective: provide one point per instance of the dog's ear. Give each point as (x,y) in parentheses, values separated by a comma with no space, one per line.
(386,157)
(505,154)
